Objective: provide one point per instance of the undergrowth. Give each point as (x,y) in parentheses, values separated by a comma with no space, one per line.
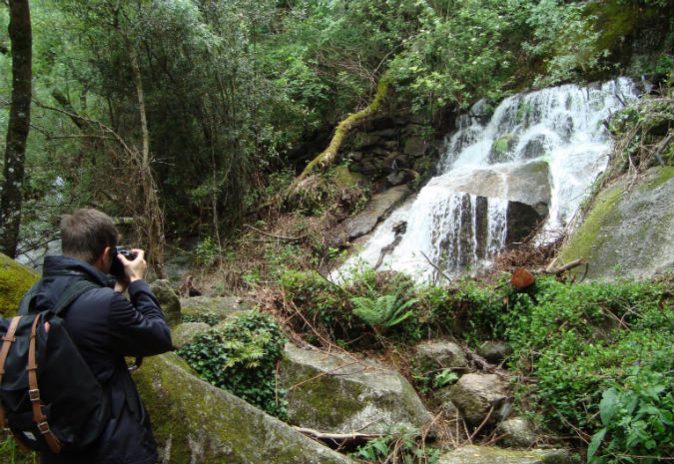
(574,345)
(241,357)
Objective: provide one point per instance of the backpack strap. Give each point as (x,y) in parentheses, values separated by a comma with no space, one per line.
(71,294)
(7,341)
(24,306)
(34,394)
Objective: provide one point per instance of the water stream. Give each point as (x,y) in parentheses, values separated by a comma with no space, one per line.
(537,154)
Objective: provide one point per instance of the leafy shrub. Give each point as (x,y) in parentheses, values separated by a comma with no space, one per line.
(241,358)
(637,418)
(578,339)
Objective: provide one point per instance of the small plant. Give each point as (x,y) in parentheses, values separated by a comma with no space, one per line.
(637,420)
(403,448)
(207,252)
(385,311)
(444,377)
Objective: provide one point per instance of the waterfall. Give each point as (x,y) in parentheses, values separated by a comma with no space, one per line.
(530,163)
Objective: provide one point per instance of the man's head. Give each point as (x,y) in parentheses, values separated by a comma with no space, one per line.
(88,235)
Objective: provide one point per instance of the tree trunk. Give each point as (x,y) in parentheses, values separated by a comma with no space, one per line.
(328,156)
(152,217)
(19,124)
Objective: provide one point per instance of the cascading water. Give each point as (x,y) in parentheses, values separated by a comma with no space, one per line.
(533,160)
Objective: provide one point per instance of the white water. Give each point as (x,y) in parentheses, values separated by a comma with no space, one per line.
(446,221)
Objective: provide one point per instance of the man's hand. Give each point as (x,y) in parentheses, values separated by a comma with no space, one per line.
(133,270)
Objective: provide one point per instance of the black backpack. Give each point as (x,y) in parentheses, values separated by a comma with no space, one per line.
(50,399)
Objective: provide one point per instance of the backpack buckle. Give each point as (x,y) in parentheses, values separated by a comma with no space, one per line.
(43,427)
(34,395)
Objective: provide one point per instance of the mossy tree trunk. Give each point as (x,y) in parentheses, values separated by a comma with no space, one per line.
(329,155)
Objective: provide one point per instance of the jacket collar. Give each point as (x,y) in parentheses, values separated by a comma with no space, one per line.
(68,266)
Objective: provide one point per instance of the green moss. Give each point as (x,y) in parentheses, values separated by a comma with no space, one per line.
(15,280)
(197,422)
(344,178)
(587,237)
(664,175)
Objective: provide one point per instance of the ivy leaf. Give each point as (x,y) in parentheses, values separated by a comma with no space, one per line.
(608,405)
(596,441)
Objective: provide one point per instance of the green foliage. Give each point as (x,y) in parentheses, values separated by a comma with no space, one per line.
(575,340)
(637,419)
(384,311)
(10,453)
(444,377)
(241,357)
(404,448)
(207,252)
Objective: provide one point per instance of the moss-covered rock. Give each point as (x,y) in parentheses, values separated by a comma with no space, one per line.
(196,422)
(15,280)
(210,309)
(340,394)
(184,333)
(168,299)
(488,455)
(628,231)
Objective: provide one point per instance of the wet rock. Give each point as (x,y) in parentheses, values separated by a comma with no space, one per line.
(184,333)
(488,455)
(495,351)
(535,147)
(340,394)
(438,354)
(378,207)
(517,433)
(195,422)
(522,219)
(476,394)
(168,300)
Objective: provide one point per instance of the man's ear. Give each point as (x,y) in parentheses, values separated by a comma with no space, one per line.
(103,260)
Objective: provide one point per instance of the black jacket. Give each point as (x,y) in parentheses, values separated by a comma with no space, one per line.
(106,327)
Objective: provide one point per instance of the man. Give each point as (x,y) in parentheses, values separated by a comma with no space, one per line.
(106,327)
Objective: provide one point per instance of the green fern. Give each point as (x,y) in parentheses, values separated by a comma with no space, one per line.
(385,310)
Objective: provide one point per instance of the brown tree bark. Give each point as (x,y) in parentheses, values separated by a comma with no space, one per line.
(19,123)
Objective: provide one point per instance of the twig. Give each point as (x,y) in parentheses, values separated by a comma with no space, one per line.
(484,421)
(436,267)
(566,267)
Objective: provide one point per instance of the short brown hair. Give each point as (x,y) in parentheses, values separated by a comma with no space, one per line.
(86,233)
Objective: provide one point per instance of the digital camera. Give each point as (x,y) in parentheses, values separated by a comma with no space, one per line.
(117,268)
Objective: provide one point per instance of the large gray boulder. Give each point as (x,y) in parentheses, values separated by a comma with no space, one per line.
(477,394)
(488,455)
(628,231)
(211,309)
(195,422)
(525,183)
(364,222)
(341,394)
